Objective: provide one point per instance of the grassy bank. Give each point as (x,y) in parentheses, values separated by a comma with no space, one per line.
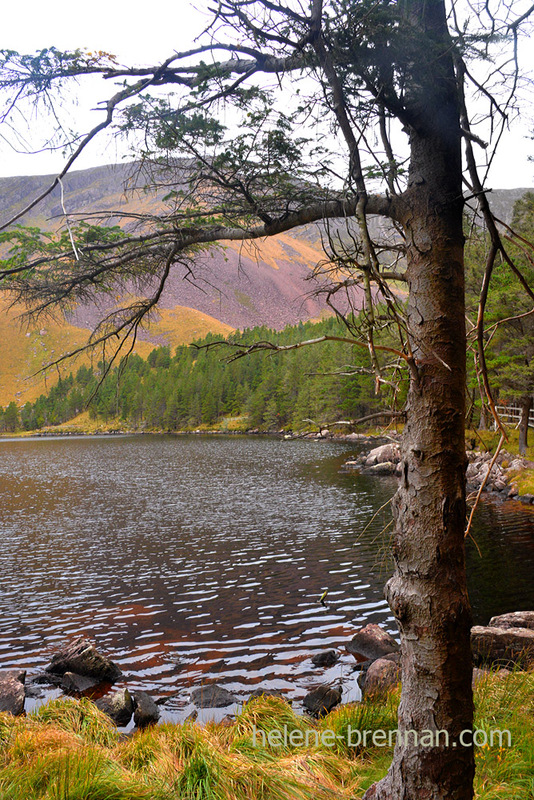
(70,751)
(489,440)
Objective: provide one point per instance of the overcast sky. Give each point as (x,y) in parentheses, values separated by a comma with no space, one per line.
(148,32)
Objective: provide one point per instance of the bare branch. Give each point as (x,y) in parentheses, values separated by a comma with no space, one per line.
(243,350)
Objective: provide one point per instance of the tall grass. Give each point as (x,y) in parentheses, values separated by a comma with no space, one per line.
(69,750)
(506,703)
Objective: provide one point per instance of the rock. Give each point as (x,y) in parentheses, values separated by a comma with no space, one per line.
(483,472)
(471,472)
(326,659)
(362,666)
(526,499)
(119,706)
(71,682)
(266,693)
(321,700)
(212,696)
(502,673)
(384,453)
(146,712)
(514,619)
(372,642)
(17,675)
(325,433)
(503,645)
(261,661)
(82,657)
(381,676)
(12,692)
(384,468)
(45,679)
(33,691)
(395,657)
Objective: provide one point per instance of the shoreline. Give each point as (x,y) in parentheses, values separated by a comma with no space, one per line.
(48,433)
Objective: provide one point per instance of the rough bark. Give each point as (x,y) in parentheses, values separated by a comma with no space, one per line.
(526,406)
(428,593)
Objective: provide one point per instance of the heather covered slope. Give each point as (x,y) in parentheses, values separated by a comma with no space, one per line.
(27,347)
(240,285)
(235,286)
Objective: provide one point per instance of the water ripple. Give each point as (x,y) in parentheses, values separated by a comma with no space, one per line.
(194,558)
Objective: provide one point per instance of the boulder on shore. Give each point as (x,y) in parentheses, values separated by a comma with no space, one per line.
(372,642)
(119,706)
(82,658)
(12,692)
(380,677)
(515,619)
(386,453)
(321,700)
(503,645)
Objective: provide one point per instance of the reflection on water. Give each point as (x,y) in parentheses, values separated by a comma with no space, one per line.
(192,558)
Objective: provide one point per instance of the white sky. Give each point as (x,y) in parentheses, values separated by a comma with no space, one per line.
(145,32)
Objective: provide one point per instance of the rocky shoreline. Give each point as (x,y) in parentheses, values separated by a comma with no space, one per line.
(80,670)
(323,434)
(498,479)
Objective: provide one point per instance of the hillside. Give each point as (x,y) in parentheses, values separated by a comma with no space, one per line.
(235,286)
(240,285)
(27,347)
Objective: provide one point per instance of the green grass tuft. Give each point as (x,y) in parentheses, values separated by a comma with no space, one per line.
(69,750)
(81,717)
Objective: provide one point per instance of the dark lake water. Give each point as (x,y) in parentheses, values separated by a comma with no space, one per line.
(193,559)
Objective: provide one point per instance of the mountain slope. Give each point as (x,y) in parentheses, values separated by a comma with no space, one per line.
(236,285)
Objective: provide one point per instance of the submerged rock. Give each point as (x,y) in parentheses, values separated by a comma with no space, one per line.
(82,658)
(322,700)
(326,659)
(212,696)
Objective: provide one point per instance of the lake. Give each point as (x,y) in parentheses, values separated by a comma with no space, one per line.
(193,559)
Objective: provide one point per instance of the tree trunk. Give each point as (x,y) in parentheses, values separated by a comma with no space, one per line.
(427,592)
(525,405)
